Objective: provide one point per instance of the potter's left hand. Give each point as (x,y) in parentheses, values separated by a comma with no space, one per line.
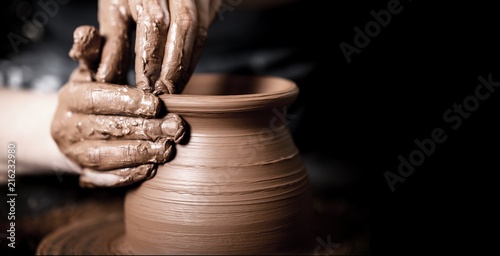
(114,132)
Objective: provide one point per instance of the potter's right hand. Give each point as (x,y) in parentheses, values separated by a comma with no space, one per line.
(169,38)
(113,132)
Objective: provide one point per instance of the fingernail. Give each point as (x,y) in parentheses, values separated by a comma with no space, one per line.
(149,105)
(143,172)
(162,149)
(173,126)
(152,172)
(163,88)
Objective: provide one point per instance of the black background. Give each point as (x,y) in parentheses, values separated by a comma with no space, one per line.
(396,90)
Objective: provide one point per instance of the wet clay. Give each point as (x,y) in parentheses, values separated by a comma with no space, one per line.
(86,50)
(108,127)
(169,39)
(105,126)
(237,186)
(236,183)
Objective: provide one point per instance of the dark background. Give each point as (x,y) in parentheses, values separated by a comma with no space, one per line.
(366,113)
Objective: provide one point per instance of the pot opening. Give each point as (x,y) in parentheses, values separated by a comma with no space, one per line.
(225,84)
(226,93)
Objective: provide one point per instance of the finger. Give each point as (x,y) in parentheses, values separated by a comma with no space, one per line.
(101,127)
(86,46)
(214,7)
(115,178)
(206,14)
(86,50)
(108,99)
(114,22)
(179,47)
(152,25)
(134,6)
(174,126)
(116,154)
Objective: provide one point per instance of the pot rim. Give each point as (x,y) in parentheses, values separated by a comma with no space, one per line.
(272,92)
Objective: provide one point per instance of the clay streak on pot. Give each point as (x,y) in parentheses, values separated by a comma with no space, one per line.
(237,186)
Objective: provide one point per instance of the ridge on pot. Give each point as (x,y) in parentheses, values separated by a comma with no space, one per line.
(236,185)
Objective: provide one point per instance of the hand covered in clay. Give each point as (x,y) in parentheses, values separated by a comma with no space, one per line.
(170,35)
(113,132)
(116,133)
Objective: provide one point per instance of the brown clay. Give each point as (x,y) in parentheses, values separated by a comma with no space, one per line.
(114,132)
(236,185)
(170,36)
(86,50)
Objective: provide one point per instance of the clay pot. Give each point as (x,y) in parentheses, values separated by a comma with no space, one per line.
(237,185)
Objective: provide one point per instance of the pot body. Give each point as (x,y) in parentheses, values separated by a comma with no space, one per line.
(237,184)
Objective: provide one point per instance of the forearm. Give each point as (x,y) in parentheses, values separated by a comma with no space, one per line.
(25,120)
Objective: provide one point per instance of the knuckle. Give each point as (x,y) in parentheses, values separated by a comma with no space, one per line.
(202,32)
(55,132)
(90,158)
(201,37)
(157,17)
(186,19)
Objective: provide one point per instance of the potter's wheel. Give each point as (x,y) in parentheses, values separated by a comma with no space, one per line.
(103,235)
(95,236)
